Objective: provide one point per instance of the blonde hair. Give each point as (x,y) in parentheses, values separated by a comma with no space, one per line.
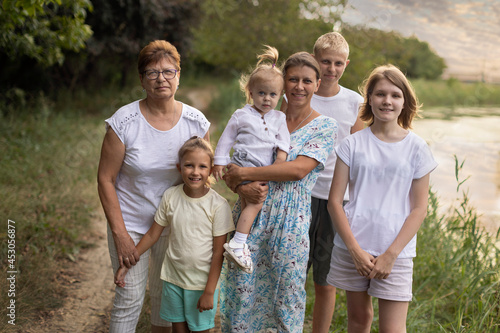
(156,51)
(411,105)
(300,59)
(193,144)
(333,41)
(262,72)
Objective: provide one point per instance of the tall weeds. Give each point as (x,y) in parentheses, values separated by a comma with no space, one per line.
(456,277)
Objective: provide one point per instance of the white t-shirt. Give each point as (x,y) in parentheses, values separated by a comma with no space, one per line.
(344,108)
(380,178)
(193,224)
(149,166)
(257,135)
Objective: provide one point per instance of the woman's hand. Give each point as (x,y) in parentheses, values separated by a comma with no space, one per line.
(233,176)
(254,192)
(128,255)
(383,265)
(363,262)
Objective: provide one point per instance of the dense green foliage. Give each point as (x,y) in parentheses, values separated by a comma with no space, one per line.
(231,32)
(371,47)
(123,27)
(43,29)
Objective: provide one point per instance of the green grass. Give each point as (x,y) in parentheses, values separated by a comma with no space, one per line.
(454,98)
(48,164)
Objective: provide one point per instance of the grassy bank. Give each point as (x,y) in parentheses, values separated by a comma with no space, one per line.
(48,163)
(454,94)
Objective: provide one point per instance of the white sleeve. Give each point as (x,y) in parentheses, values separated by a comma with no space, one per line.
(226,142)
(283,138)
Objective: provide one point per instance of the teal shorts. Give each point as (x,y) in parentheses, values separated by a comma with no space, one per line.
(179,305)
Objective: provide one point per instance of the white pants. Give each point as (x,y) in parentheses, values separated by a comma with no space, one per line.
(129,299)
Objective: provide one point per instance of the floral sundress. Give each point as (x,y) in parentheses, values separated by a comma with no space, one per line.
(272,298)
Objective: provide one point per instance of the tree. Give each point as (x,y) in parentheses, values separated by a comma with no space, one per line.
(424,62)
(123,27)
(232,32)
(43,29)
(372,47)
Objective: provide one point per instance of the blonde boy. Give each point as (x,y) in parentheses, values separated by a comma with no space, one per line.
(331,51)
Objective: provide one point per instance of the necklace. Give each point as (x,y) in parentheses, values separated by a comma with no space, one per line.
(302,121)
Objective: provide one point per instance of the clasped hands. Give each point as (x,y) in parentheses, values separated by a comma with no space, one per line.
(373,267)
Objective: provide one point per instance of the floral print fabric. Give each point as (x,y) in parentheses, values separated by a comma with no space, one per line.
(272,298)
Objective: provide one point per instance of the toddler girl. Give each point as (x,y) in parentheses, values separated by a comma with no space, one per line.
(256,132)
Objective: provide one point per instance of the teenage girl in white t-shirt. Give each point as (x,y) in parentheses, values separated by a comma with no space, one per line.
(387,168)
(257,133)
(199,220)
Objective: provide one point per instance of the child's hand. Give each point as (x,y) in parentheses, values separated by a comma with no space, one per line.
(383,265)
(363,262)
(206,302)
(120,276)
(217,171)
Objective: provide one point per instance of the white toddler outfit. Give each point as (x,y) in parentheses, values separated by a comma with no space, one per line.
(253,136)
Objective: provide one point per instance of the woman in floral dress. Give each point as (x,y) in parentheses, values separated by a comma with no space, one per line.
(272,298)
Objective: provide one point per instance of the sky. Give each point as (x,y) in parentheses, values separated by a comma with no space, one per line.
(466,33)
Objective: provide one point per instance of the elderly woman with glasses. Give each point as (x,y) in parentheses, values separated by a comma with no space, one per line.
(137,164)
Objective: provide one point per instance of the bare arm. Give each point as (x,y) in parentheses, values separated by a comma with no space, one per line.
(207,136)
(286,171)
(419,193)
(206,301)
(148,240)
(280,156)
(361,258)
(358,125)
(112,156)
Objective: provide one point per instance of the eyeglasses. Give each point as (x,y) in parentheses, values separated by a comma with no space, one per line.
(168,74)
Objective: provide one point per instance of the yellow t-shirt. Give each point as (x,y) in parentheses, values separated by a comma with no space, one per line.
(193,223)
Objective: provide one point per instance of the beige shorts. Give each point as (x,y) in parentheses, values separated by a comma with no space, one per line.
(397,287)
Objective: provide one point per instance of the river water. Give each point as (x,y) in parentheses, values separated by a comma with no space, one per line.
(475,140)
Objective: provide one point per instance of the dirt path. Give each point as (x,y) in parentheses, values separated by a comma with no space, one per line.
(90,288)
